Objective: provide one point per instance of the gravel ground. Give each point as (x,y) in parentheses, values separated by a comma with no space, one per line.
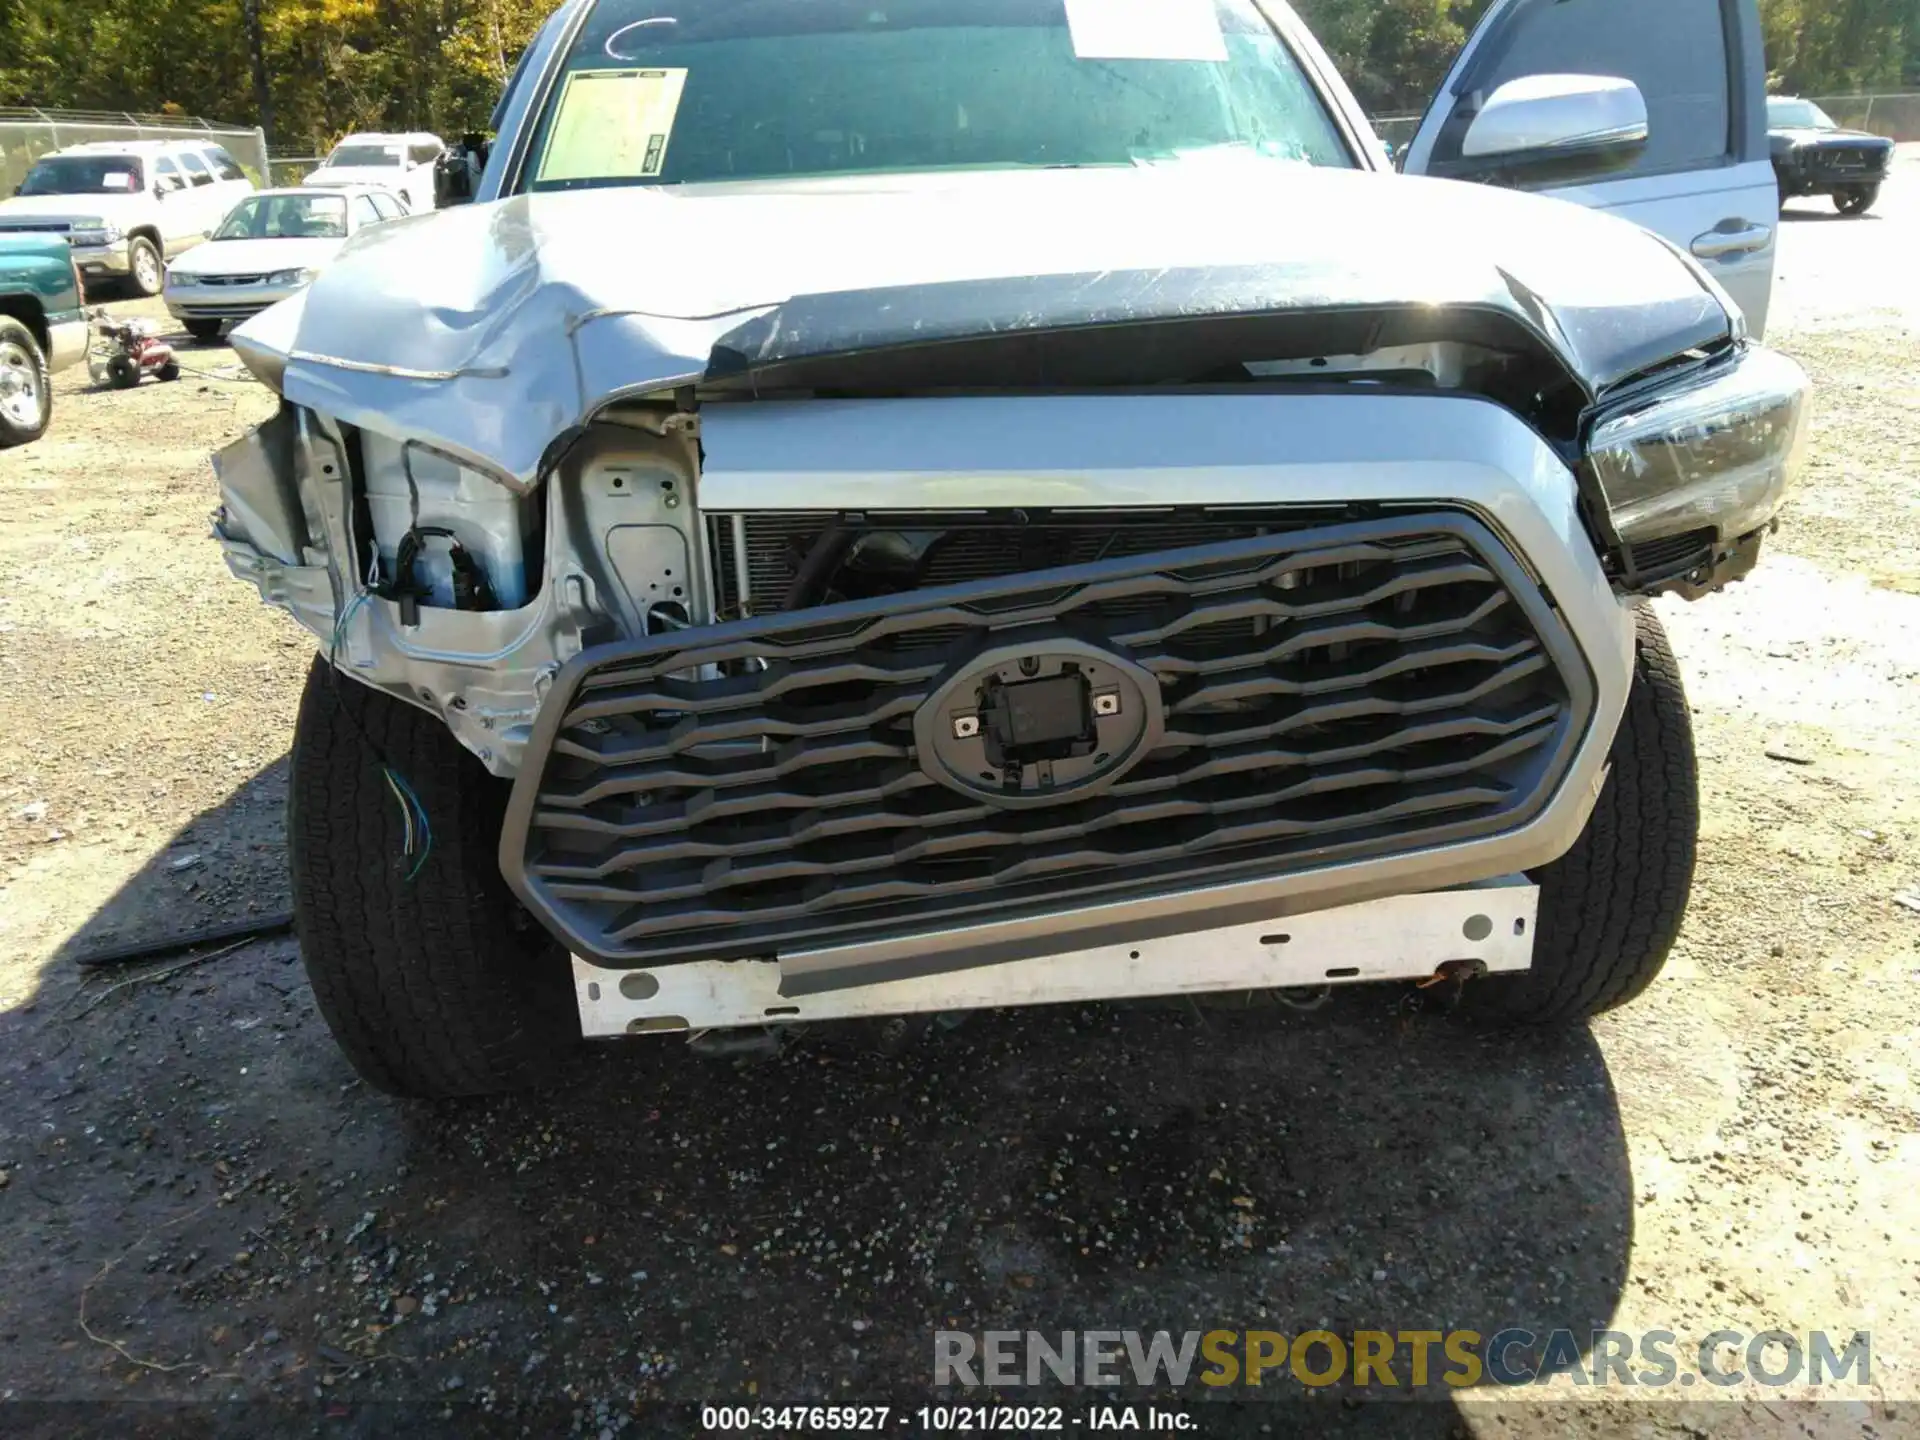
(199,1203)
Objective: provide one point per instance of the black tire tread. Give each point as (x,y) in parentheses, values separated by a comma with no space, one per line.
(436,987)
(1611,909)
(1856,199)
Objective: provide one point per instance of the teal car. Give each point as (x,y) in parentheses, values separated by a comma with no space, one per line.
(43,330)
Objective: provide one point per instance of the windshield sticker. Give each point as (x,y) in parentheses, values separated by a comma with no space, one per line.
(613,125)
(116,180)
(1146,30)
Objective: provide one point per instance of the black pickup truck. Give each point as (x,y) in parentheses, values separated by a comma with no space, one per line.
(1813,156)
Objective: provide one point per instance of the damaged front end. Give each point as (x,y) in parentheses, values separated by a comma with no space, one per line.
(452,588)
(895,633)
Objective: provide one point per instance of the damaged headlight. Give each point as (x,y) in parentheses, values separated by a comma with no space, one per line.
(1717,451)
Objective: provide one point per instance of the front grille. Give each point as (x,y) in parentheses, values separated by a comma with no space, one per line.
(1328,694)
(1848,161)
(230,280)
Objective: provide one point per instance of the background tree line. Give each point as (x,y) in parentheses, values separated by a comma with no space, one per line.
(309,70)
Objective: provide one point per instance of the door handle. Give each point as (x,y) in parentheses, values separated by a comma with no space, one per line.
(1732,237)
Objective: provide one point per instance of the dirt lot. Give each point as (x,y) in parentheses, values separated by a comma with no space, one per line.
(199,1203)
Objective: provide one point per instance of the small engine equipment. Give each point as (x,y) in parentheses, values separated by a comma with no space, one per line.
(124,350)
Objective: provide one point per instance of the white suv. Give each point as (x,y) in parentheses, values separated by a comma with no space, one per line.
(127,206)
(404,164)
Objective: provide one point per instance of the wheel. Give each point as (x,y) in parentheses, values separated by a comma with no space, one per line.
(168,370)
(26,393)
(145,274)
(1855,199)
(1611,908)
(433,978)
(205,331)
(122,372)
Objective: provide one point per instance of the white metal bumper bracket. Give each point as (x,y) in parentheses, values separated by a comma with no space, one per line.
(1406,937)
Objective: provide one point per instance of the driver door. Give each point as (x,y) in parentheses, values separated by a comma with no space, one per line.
(1702,178)
(179,226)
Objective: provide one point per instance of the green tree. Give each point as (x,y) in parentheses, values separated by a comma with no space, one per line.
(308,71)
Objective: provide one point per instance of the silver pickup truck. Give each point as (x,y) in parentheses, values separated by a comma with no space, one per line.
(891,510)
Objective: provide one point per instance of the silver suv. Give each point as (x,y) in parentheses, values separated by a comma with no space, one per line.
(986,504)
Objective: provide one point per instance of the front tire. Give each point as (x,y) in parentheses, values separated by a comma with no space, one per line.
(26,390)
(1856,199)
(145,273)
(1610,910)
(205,331)
(441,984)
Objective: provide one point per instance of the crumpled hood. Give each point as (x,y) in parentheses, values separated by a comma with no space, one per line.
(487,330)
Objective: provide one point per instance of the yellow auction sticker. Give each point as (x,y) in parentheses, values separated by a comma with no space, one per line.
(612,125)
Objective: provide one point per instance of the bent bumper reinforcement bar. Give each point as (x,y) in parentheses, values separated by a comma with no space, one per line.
(1405,937)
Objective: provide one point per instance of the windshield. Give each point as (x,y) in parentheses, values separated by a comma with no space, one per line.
(365,155)
(1797,115)
(85,175)
(282,217)
(666,92)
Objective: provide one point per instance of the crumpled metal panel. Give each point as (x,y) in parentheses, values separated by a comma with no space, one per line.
(487,330)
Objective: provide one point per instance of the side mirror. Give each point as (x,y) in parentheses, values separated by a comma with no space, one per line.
(1577,123)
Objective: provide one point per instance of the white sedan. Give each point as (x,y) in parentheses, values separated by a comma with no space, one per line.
(271,245)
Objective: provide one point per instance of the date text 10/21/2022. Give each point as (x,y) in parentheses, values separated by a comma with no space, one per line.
(930,1419)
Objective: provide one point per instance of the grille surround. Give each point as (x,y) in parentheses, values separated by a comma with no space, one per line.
(736,856)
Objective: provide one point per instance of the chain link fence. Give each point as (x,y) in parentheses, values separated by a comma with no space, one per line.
(1396,130)
(27,134)
(292,169)
(1895,116)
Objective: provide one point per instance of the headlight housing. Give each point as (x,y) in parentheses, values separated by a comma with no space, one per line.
(1716,451)
(290,277)
(88,233)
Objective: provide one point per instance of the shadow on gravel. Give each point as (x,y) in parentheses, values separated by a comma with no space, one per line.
(1831,217)
(192,1156)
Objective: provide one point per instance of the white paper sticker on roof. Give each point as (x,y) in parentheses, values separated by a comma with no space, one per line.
(1146,30)
(613,125)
